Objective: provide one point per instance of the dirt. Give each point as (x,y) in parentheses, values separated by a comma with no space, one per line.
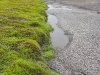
(82,55)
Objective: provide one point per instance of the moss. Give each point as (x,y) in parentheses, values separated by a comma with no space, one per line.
(42,36)
(54,73)
(30,44)
(26,47)
(48,51)
(23,67)
(49,54)
(30,49)
(10,56)
(7,58)
(2,53)
(23,31)
(35,24)
(37,17)
(38,34)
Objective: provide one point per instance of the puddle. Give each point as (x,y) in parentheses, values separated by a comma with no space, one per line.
(58,7)
(58,37)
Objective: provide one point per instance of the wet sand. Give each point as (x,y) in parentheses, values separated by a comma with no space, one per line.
(82,55)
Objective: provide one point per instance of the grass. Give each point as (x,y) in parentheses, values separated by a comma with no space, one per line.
(24,35)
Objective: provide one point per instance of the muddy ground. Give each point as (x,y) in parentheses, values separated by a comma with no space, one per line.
(82,55)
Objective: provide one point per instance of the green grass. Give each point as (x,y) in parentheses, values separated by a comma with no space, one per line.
(24,34)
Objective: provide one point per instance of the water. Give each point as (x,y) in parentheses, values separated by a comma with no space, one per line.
(50,7)
(58,37)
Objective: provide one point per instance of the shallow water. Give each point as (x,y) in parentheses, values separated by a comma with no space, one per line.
(58,37)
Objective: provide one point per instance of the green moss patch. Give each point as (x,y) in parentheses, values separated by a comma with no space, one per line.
(48,51)
(23,67)
(23,35)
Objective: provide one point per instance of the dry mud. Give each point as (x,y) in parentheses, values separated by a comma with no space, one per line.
(82,55)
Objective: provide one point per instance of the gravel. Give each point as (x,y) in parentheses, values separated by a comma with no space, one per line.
(82,55)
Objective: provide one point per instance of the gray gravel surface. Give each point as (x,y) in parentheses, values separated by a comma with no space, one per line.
(82,55)
(84,4)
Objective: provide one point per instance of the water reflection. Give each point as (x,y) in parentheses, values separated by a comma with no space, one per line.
(58,37)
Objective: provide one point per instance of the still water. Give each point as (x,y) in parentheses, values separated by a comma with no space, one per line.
(58,37)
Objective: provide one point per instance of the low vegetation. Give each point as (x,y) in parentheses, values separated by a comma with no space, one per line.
(24,38)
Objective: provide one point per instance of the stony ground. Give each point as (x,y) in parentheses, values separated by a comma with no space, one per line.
(82,56)
(85,4)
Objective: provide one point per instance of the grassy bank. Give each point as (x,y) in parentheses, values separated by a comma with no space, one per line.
(24,38)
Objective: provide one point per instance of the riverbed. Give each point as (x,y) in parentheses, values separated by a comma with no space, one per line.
(82,56)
